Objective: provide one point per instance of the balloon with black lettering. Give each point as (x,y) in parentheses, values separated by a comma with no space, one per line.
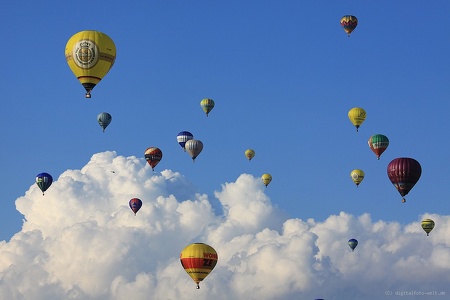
(198,260)
(266,179)
(357,115)
(153,156)
(249,153)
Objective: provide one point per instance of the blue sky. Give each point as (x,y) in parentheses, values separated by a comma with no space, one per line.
(283,77)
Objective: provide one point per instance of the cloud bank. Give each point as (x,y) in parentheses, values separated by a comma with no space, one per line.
(82,241)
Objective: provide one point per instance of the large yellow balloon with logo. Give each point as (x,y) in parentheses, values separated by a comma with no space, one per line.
(357,115)
(90,55)
(198,260)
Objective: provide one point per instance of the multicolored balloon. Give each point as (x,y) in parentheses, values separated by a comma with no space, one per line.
(378,143)
(153,156)
(207,105)
(183,137)
(404,173)
(352,244)
(44,181)
(357,176)
(104,119)
(427,225)
(198,260)
(357,115)
(90,55)
(135,205)
(249,153)
(266,179)
(193,148)
(349,23)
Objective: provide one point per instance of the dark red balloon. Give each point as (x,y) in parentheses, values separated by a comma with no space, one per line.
(404,173)
(135,204)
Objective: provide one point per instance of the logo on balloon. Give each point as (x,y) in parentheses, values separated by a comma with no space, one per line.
(85,54)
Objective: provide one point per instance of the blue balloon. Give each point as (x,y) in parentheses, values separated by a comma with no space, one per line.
(352,243)
(183,137)
(44,181)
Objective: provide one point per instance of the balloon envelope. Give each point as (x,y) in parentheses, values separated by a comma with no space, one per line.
(104,119)
(90,55)
(266,179)
(153,156)
(183,137)
(198,260)
(207,105)
(357,115)
(427,225)
(349,23)
(135,204)
(193,148)
(378,143)
(249,153)
(352,243)
(357,176)
(44,181)
(404,173)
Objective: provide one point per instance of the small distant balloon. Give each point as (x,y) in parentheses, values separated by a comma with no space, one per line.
(104,119)
(357,176)
(44,181)
(378,143)
(349,23)
(207,105)
(357,115)
(427,225)
(404,172)
(352,243)
(193,148)
(153,156)
(183,137)
(266,179)
(249,153)
(135,205)
(198,260)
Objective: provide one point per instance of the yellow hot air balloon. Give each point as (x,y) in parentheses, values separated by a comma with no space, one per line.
(357,115)
(90,55)
(249,153)
(207,105)
(266,179)
(428,225)
(198,260)
(357,176)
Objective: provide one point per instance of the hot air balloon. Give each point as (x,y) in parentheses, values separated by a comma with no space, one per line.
(90,55)
(193,148)
(207,105)
(349,23)
(266,179)
(135,205)
(104,119)
(249,153)
(357,176)
(44,181)
(198,260)
(183,137)
(378,143)
(427,225)
(357,116)
(352,243)
(404,173)
(153,155)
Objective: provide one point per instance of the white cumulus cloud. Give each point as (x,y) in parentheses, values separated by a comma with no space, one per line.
(82,241)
